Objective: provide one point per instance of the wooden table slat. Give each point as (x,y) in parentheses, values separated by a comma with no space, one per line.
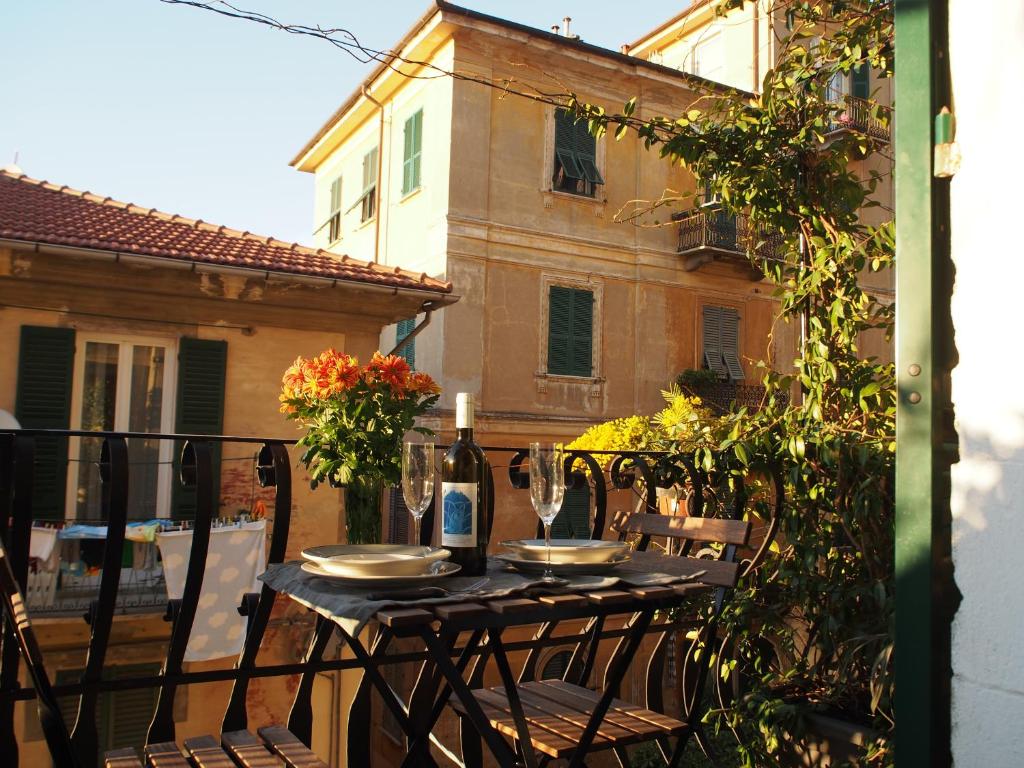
(610,597)
(512,605)
(398,618)
(459,612)
(652,593)
(563,601)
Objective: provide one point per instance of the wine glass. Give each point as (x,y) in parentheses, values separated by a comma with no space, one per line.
(547,488)
(417,480)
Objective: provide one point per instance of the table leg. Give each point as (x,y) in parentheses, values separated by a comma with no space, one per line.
(501,751)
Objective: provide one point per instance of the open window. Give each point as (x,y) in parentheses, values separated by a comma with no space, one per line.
(575,161)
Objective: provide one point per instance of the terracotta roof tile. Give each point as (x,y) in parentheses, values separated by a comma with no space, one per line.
(39,212)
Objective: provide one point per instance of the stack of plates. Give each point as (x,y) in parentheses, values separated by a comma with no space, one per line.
(568,556)
(379,565)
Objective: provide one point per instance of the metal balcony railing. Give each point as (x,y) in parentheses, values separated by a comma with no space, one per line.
(861,115)
(710,232)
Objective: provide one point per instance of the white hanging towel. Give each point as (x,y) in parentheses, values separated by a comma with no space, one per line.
(236,557)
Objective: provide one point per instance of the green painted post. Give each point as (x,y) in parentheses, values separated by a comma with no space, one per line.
(920,695)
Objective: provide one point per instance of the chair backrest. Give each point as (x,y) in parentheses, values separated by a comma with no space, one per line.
(54,730)
(704,529)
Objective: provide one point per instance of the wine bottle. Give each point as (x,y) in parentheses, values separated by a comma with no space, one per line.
(464,494)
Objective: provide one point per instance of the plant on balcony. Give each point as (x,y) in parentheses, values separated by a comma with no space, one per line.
(810,631)
(693,379)
(355,418)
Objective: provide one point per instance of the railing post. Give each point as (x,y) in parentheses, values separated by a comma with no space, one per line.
(114,477)
(197,469)
(273,470)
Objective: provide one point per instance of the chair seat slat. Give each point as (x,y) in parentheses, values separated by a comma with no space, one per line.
(206,752)
(248,751)
(287,746)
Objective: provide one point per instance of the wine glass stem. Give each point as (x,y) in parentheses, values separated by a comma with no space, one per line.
(416,522)
(547,546)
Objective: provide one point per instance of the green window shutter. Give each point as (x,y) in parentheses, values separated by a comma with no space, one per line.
(202,365)
(575,148)
(860,82)
(730,339)
(413,152)
(712,337)
(570,331)
(582,333)
(573,519)
(43,401)
(559,329)
(405,327)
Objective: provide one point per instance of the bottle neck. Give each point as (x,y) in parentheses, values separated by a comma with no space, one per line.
(465,434)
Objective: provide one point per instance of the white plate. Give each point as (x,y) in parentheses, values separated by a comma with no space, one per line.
(438,571)
(378,564)
(327,551)
(567,551)
(536,567)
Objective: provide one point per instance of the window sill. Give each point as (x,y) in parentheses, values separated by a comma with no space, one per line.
(550,195)
(593,384)
(368,222)
(410,194)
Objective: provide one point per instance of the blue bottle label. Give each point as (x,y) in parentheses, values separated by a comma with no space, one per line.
(458,524)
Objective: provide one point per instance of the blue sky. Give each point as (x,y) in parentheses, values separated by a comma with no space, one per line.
(179,109)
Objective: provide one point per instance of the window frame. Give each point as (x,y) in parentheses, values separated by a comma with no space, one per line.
(334,217)
(571,166)
(412,154)
(542,375)
(367,201)
(729,361)
(408,350)
(168,403)
(547,186)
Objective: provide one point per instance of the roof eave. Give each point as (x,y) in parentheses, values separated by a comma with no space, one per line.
(438,297)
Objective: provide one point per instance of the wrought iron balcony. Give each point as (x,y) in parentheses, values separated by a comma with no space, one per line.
(710,233)
(860,115)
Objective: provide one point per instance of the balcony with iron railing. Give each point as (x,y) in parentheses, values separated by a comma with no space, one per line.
(709,233)
(858,115)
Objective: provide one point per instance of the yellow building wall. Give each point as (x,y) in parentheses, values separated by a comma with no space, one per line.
(281,321)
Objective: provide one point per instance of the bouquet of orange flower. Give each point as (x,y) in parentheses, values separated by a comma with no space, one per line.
(355,416)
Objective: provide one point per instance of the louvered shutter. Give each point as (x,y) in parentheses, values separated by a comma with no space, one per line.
(565,145)
(412,152)
(43,401)
(554,668)
(405,327)
(580,359)
(573,519)
(560,330)
(712,340)
(586,152)
(860,82)
(127,713)
(398,518)
(730,335)
(202,365)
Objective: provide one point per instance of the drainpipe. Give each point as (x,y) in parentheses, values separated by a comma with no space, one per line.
(757,53)
(380,184)
(428,307)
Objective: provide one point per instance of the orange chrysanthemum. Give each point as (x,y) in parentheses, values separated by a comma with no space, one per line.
(392,370)
(423,384)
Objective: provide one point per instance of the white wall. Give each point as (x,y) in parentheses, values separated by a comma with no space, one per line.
(987,59)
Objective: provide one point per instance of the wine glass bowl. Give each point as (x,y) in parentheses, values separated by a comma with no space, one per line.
(417,480)
(547,489)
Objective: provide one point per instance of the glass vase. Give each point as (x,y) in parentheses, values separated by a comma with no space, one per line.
(362,511)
